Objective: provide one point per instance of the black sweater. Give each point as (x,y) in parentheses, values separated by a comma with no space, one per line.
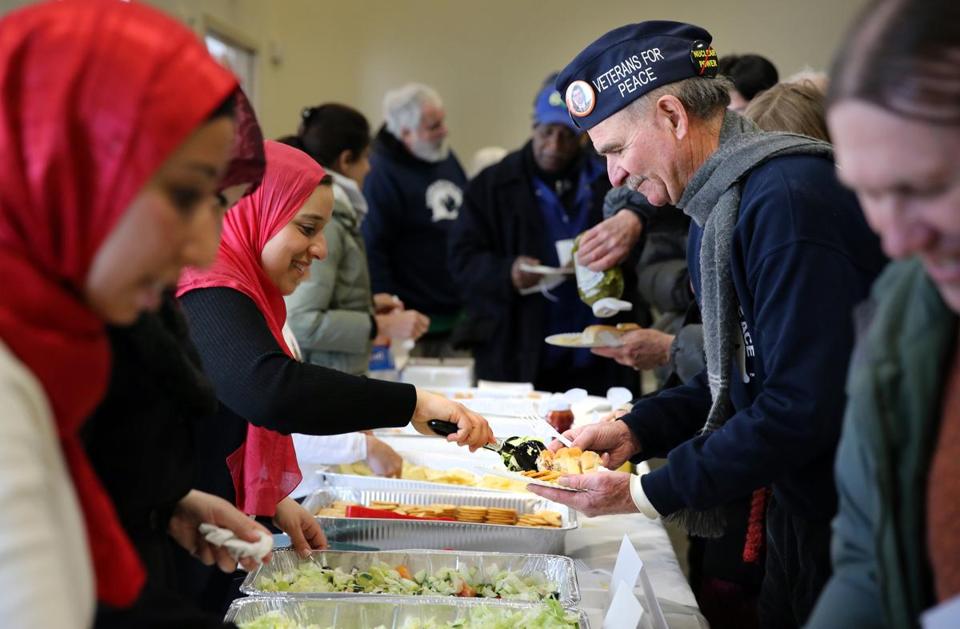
(257,382)
(140,442)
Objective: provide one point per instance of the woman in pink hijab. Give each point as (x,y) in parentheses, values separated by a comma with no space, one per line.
(236,314)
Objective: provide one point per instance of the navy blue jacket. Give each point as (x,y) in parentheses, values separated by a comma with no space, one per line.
(413,205)
(803,257)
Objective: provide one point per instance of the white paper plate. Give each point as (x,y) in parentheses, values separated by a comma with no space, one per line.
(575,339)
(541,269)
(505,473)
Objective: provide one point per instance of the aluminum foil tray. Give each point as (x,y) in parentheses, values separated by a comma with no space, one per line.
(363,613)
(555,569)
(439,535)
(397,484)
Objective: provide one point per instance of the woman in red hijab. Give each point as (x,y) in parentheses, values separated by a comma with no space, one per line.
(236,314)
(107,181)
(140,440)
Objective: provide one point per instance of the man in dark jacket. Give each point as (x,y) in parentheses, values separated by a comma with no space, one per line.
(779,254)
(414,191)
(515,214)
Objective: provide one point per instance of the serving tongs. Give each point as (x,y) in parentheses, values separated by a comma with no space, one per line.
(519,454)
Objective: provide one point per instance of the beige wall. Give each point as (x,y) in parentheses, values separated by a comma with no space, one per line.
(486,57)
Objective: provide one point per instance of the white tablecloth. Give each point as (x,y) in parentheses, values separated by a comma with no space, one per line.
(594,547)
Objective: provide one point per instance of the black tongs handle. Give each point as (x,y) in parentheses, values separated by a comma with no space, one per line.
(441,427)
(445,428)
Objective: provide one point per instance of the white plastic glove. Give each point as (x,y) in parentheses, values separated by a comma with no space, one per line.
(238,548)
(608,306)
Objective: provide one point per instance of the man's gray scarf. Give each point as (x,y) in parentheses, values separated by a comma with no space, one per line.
(712,199)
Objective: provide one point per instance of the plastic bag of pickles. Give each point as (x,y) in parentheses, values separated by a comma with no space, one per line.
(601,290)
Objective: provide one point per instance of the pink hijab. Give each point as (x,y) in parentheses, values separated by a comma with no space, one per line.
(264,468)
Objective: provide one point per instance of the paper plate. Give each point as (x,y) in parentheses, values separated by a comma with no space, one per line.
(541,269)
(575,339)
(505,473)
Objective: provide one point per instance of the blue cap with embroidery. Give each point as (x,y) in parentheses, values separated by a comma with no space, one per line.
(548,108)
(630,61)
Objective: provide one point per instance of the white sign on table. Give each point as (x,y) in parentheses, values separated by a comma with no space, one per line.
(625,611)
(628,569)
(653,605)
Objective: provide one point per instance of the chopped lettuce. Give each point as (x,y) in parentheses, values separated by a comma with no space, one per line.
(549,615)
(381,578)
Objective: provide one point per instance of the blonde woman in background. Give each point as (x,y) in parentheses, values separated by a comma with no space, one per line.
(792,107)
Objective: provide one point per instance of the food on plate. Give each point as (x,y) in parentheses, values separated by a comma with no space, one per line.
(608,334)
(568,461)
(547,615)
(552,465)
(382,578)
(520,453)
(461,513)
(548,476)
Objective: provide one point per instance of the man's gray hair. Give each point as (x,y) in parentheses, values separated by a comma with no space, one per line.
(403,106)
(702,98)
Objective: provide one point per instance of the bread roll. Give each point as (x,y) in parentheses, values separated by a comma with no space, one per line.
(592,333)
(568,461)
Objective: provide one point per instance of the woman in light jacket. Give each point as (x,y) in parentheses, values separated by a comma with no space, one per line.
(333,314)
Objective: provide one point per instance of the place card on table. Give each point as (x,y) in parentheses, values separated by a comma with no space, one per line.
(625,611)
(627,571)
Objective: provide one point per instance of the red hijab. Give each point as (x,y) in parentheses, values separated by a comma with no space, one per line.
(247,161)
(264,468)
(94,96)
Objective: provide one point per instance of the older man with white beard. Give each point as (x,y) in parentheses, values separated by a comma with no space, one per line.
(414,191)
(779,255)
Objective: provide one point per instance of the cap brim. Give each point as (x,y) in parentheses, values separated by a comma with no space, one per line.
(558,118)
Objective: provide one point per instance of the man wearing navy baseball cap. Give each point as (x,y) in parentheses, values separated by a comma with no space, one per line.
(522,213)
(779,254)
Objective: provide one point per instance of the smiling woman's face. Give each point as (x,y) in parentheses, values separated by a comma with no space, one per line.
(287,256)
